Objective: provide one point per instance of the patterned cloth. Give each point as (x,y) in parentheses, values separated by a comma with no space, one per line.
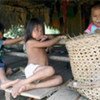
(91,28)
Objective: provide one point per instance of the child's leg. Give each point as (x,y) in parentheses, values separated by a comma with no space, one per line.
(8,83)
(2,75)
(4,81)
(41,74)
(50,82)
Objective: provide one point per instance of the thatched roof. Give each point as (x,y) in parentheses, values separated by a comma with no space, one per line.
(14,12)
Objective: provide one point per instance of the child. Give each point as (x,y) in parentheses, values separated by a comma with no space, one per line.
(38,73)
(4,82)
(95,16)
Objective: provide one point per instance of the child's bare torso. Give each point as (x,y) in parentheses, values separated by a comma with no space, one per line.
(37,55)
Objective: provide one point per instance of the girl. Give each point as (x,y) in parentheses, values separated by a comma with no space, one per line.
(38,73)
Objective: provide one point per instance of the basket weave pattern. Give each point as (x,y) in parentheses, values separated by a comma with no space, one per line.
(84,53)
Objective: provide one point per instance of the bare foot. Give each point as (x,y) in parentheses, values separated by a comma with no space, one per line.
(11,71)
(16,87)
(8,83)
(8,71)
(26,87)
(21,87)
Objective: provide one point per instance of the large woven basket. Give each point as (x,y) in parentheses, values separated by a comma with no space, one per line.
(84,53)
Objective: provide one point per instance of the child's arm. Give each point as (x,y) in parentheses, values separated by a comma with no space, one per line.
(12,41)
(47,43)
(47,37)
(51,36)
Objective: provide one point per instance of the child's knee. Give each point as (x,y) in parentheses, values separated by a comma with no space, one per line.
(59,79)
(50,70)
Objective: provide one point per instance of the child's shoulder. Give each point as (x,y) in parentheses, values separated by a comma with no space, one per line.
(31,41)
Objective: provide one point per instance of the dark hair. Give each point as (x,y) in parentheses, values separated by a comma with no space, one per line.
(2,28)
(31,25)
(96,5)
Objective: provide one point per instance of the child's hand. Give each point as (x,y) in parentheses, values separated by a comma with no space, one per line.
(44,38)
(21,39)
(63,37)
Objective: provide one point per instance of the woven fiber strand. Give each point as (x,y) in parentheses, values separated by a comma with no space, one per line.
(84,54)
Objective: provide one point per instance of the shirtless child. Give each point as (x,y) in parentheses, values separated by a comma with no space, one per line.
(37,68)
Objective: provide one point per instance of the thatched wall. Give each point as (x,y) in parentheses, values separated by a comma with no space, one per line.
(14,12)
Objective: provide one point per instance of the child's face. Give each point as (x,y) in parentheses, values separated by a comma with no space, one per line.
(37,32)
(96,17)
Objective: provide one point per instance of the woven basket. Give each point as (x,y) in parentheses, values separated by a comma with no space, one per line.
(84,54)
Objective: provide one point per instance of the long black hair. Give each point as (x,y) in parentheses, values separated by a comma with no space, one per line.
(31,25)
